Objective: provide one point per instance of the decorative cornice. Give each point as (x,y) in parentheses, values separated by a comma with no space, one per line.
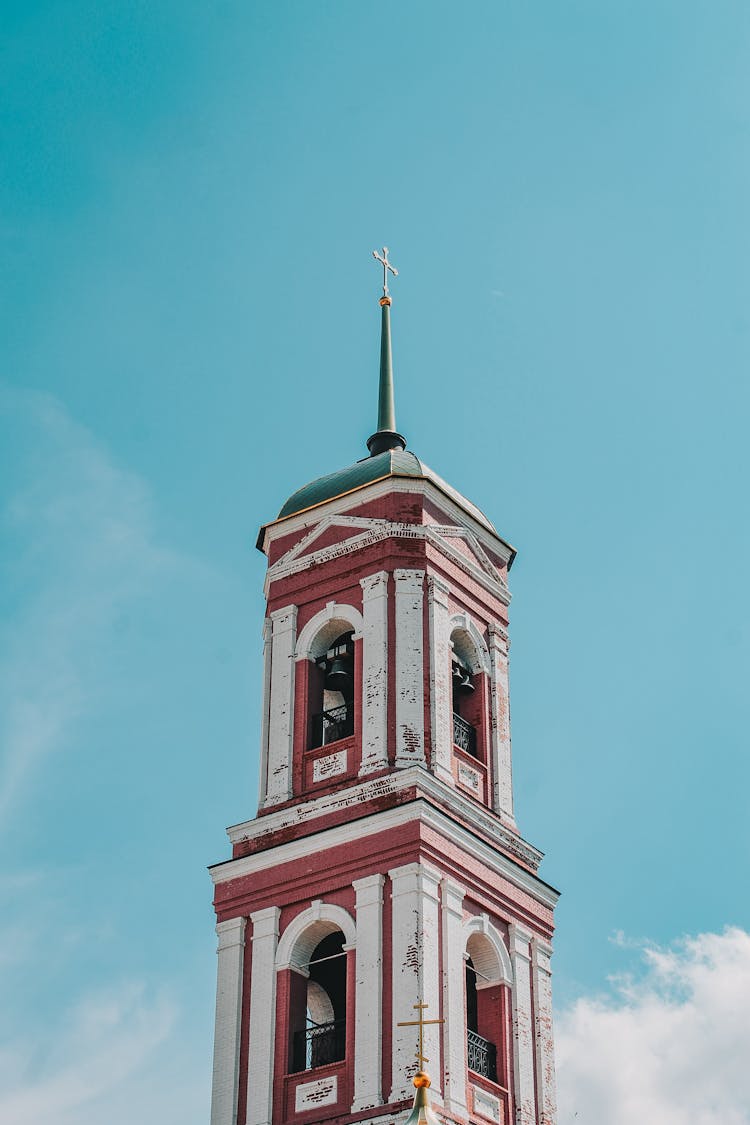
(520,941)
(374,585)
(313,517)
(230,933)
(481,819)
(376,531)
(372,823)
(278,616)
(265,923)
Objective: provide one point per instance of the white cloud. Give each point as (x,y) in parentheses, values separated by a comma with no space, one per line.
(80,538)
(81,532)
(669,1047)
(111,1058)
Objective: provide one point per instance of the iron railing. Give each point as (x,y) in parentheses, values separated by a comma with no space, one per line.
(329,726)
(464,735)
(318,1045)
(482,1056)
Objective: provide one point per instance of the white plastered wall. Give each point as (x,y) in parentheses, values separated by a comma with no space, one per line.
(441,695)
(374,672)
(262,1030)
(410,748)
(454,1008)
(281,708)
(541,953)
(523,1030)
(265,715)
(368,1030)
(500,724)
(230,954)
(415,972)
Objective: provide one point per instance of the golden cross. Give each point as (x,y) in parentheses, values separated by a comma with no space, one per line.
(386,266)
(420,1023)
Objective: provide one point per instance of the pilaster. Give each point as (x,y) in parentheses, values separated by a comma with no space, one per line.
(541,972)
(500,723)
(523,1034)
(265,707)
(441,695)
(368,1031)
(374,672)
(262,1031)
(281,718)
(454,1008)
(230,954)
(409,667)
(415,971)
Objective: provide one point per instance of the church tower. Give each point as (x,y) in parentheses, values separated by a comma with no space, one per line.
(382,905)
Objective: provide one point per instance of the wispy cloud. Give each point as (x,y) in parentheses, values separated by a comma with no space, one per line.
(80,549)
(81,534)
(668,1047)
(100,1049)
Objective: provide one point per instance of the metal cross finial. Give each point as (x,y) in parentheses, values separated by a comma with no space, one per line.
(386,266)
(421,1024)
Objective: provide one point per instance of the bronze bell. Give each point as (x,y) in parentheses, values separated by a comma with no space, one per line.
(467,683)
(462,678)
(339,676)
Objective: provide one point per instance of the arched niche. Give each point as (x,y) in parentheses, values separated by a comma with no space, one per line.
(322,629)
(485,945)
(468,643)
(308,929)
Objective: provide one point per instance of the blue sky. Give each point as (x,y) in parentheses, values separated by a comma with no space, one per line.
(189,198)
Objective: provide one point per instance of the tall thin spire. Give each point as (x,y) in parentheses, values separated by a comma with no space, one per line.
(386,436)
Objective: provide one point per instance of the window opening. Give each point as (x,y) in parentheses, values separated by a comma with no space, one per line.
(323,1039)
(481,1052)
(464,733)
(333,717)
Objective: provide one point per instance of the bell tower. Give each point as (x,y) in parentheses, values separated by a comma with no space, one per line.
(384,868)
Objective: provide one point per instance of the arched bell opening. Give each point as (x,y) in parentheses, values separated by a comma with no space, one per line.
(468,683)
(318,1007)
(487,1010)
(331,689)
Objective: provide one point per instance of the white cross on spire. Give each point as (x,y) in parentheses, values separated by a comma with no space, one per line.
(383,259)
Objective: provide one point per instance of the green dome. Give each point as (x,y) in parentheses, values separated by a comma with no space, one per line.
(391,463)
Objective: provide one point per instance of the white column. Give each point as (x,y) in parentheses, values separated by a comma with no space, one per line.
(265,711)
(500,723)
(441,693)
(368,998)
(416,973)
(409,667)
(523,1038)
(546,1096)
(281,716)
(227,1027)
(374,672)
(454,1009)
(262,1031)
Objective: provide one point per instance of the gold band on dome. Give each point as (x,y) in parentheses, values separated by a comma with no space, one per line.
(385,301)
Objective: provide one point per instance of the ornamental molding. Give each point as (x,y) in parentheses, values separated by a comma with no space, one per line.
(480,924)
(304,932)
(474,818)
(371,531)
(465,623)
(520,942)
(331,611)
(230,933)
(311,517)
(486,1105)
